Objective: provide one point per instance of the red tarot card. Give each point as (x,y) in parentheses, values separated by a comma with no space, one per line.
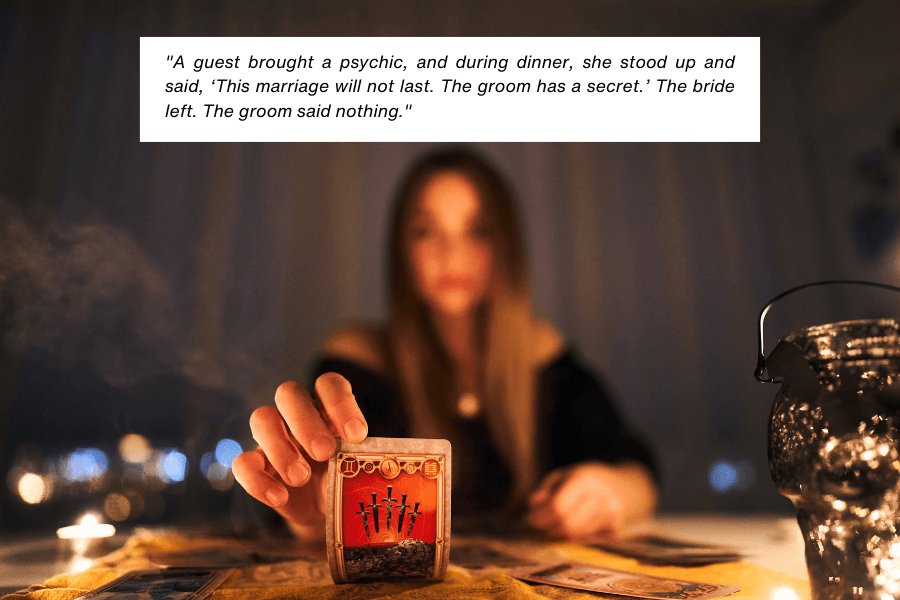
(388,509)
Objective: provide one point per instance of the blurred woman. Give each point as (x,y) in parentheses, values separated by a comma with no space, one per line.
(461,358)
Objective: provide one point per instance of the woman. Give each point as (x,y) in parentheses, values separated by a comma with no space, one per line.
(462,358)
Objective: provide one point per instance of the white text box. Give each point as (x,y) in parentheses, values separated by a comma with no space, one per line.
(449,89)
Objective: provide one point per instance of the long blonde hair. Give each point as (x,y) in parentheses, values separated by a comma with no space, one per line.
(505,327)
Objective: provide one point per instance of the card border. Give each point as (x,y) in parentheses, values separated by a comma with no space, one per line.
(527,574)
(220,576)
(397,447)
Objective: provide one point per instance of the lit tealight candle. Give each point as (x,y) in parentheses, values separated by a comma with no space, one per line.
(89,535)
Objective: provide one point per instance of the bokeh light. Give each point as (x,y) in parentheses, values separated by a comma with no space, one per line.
(205,461)
(726,476)
(134,448)
(783,593)
(171,466)
(723,476)
(117,507)
(32,488)
(226,451)
(136,504)
(85,464)
(220,477)
(150,477)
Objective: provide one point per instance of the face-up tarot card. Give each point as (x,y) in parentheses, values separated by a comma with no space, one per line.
(592,578)
(177,583)
(388,509)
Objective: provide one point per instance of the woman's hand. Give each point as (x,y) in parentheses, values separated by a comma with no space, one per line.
(592,499)
(287,470)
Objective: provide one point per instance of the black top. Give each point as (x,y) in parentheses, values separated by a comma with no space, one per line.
(576,422)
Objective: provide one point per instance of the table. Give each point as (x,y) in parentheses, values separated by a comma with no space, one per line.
(774,568)
(769,541)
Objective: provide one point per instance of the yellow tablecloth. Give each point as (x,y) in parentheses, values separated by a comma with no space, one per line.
(308,576)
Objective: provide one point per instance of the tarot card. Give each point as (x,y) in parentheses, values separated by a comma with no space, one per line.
(177,583)
(657,550)
(582,576)
(388,509)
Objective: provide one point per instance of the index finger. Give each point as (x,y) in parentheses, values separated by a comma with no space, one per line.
(302,418)
(336,396)
(565,496)
(547,488)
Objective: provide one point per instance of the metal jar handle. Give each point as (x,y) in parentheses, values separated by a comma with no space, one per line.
(761,357)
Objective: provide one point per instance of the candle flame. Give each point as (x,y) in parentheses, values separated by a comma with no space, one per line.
(89,528)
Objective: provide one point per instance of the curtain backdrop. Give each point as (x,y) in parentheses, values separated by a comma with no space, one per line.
(653,260)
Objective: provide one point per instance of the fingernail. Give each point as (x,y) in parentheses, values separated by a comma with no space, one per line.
(322,447)
(276,496)
(355,429)
(298,474)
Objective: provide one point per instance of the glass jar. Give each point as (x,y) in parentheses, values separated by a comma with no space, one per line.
(833,450)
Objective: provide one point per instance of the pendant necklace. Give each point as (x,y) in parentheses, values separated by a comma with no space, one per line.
(468,405)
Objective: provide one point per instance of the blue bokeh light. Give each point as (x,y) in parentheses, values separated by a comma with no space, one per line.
(171,466)
(723,476)
(85,464)
(226,451)
(205,461)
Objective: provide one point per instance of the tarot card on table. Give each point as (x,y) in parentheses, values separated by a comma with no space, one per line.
(582,576)
(161,584)
(388,509)
(658,550)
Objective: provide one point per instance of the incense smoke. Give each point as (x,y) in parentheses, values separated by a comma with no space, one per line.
(89,292)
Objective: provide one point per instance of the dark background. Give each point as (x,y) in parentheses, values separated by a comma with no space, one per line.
(166,289)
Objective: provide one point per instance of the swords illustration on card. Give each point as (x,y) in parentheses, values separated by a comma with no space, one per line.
(388,509)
